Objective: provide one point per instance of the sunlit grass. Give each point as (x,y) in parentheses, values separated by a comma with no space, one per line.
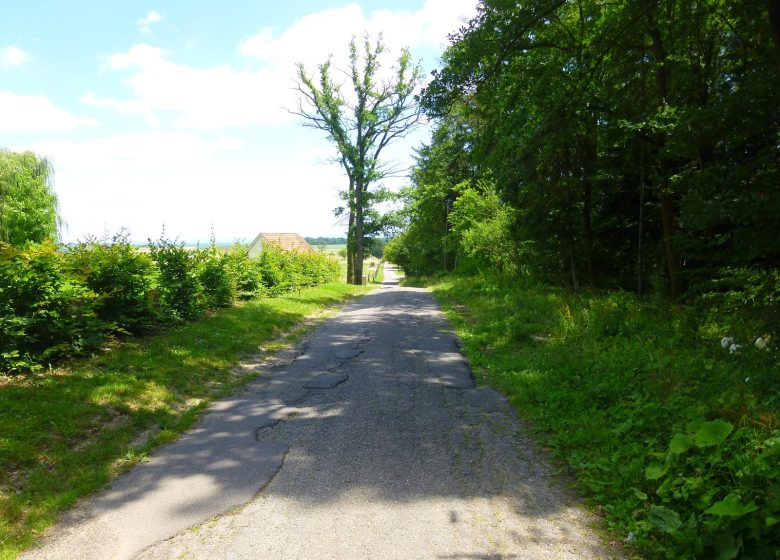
(605,381)
(67,432)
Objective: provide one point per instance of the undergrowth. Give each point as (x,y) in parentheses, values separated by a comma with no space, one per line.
(667,416)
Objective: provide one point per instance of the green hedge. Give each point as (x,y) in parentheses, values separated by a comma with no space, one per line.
(58,301)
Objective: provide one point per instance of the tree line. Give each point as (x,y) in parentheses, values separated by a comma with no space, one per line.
(626,144)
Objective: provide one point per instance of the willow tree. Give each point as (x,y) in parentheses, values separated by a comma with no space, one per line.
(28,205)
(361,124)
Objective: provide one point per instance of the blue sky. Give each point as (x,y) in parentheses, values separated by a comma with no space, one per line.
(174,112)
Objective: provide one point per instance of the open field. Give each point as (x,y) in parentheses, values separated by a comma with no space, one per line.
(334,249)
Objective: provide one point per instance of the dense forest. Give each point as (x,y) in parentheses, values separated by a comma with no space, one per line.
(623,144)
(598,210)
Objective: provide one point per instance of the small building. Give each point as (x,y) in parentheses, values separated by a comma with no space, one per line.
(284,241)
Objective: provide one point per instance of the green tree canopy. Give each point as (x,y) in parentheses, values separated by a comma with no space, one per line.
(28,205)
(635,142)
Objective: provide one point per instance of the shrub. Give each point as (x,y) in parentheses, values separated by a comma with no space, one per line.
(218,288)
(283,271)
(178,285)
(122,276)
(44,313)
(742,300)
(65,302)
(271,265)
(244,272)
(319,268)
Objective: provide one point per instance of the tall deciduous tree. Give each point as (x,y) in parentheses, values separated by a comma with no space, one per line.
(361,125)
(28,205)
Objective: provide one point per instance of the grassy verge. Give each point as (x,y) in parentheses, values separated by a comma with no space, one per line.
(66,432)
(672,438)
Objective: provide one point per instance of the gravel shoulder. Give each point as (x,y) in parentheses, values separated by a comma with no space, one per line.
(372,443)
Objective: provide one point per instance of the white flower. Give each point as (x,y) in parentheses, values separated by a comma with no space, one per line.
(761,343)
(631,537)
(725,341)
(734,348)
(747,380)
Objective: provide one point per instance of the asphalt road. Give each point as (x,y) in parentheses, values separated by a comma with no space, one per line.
(372,443)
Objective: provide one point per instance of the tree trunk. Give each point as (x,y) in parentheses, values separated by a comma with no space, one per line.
(589,164)
(351,249)
(672,256)
(570,222)
(359,249)
(639,243)
(589,155)
(673,263)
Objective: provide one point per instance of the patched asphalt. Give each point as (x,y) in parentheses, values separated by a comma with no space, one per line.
(373,443)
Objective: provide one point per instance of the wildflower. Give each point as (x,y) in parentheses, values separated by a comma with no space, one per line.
(631,537)
(734,348)
(761,343)
(725,341)
(747,380)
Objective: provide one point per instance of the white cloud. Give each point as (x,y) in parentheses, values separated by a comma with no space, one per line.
(12,55)
(36,113)
(206,98)
(327,29)
(242,181)
(125,107)
(222,96)
(144,24)
(440,18)
(189,181)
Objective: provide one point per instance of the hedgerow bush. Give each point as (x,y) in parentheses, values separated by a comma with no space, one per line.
(123,278)
(177,280)
(273,267)
(284,271)
(217,285)
(245,273)
(64,301)
(45,312)
(318,268)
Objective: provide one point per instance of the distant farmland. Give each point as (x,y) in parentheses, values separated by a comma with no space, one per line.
(334,249)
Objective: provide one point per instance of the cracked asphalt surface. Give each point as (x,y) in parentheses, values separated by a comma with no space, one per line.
(372,443)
